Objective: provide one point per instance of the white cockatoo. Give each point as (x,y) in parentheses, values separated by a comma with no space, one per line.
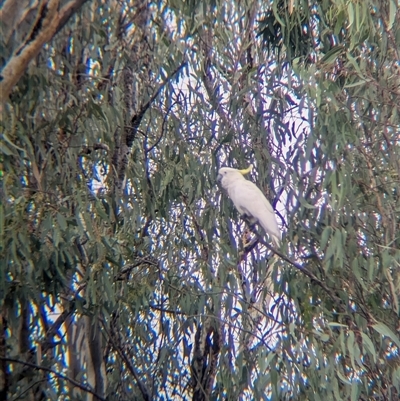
(250,201)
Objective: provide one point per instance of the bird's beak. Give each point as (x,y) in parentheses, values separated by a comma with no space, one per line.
(246,170)
(219,177)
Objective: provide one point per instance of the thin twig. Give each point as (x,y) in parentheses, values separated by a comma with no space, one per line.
(162,127)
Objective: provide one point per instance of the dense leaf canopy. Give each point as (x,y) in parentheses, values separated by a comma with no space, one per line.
(126,272)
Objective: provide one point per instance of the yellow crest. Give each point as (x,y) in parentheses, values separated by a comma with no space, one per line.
(246,171)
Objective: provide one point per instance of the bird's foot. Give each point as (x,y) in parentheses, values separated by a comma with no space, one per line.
(246,238)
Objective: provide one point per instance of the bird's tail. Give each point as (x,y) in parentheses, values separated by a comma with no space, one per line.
(273,232)
(276,240)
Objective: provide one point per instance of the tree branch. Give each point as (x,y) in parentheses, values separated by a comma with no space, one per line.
(142,387)
(67,11)
(9,17)
(121,161)
(60,375)
(305,271)
(137,118)
(48,22)
(4,372)
(205,358)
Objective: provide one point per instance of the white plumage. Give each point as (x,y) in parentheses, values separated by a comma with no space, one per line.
(250,201)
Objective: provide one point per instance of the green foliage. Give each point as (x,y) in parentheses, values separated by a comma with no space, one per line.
(118,247)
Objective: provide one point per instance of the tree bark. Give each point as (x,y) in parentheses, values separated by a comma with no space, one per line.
(48,22)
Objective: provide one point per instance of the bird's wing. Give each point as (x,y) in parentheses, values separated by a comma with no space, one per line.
(249,200)
(247,195)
